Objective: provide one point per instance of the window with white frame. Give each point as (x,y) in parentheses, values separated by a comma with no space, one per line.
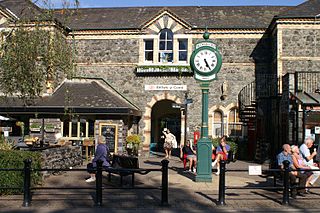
(148,50)
(183,49)
(166,46)
(234,124)
(217,123)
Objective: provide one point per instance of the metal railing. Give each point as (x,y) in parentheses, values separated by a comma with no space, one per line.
(286,187)
(27,188)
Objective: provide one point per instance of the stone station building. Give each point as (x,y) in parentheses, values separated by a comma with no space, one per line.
(143,53)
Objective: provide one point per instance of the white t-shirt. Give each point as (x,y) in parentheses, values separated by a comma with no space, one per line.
(305,152)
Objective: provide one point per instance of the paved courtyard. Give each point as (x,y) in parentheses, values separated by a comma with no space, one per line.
(184,193)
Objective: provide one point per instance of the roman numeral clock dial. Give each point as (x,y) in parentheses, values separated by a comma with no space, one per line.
(205,61)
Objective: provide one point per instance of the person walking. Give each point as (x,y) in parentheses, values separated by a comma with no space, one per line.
(168,142)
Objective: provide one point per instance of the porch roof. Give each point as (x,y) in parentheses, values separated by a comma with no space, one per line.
(82,96)
(306,98)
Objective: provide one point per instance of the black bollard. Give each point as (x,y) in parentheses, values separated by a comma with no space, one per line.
(285,198)
(99,183)
(27,183)
(222,183)
(164,189)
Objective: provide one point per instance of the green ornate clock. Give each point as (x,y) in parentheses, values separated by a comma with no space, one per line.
(205,61)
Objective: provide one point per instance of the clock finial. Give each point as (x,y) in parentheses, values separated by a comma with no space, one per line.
(206,34)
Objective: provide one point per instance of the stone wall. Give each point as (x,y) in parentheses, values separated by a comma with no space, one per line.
(61,157)
(238,70)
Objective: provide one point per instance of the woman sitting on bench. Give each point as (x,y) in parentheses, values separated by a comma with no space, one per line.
(221,153)
(101,153)
(191,155)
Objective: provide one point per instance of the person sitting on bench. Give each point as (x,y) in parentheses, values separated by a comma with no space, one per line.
(221,153)
(191,155)
(293,175)
(101,153)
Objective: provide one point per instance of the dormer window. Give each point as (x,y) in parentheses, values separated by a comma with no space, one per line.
(166,46)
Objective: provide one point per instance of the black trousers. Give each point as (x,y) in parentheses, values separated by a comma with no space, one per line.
(302,182)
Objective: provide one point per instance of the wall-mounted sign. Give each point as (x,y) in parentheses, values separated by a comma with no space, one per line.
(166,87)
(163,69)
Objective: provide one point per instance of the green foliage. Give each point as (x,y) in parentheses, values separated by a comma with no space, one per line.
(233,145)
(4,145)
(133,139)
(14,160)
(33,53)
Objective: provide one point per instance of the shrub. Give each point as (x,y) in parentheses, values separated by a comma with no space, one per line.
(233,145)
(13,159)
(4,145)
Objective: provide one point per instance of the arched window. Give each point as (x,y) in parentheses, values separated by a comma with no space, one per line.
(165,46)
(217,124)
(234,125)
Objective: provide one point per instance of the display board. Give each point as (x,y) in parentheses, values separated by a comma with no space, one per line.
(110,132)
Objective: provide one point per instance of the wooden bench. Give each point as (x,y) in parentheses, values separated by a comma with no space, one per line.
(124,162)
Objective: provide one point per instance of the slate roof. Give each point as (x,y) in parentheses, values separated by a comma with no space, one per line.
(224,17)
(308,9)
(81,95)
(22,8)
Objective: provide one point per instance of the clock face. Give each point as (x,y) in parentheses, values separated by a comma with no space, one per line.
(205,60)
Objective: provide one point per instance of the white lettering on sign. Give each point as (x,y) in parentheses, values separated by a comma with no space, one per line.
(166,87)
(255,170)
(210,44)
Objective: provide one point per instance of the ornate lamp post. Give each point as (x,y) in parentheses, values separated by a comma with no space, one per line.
(206,62)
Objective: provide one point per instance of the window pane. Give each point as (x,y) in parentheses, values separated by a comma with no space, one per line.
(183,56)
(149,56)
(66,128)
(169,45)
(231,115)
(163,35)
(162,45)
(169,35)
(91,128)
(148,45)
(74,129)
(165,57)
(183,43)
(217,117)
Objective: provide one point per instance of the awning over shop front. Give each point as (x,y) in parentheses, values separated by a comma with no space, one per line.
(307,99)
(83,96)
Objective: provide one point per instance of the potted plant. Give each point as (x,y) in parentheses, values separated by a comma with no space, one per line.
(35,127)
(132,143)
(49,127)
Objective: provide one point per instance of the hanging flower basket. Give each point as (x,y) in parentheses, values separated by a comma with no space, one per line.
(132,144)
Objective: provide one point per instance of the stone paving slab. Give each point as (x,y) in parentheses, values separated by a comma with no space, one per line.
(184,193)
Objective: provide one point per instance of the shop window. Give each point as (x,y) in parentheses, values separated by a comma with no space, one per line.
(217,124)
(234,124)
(91,129)
(74,128)
(66,128)
(148,50)
(165,46)
(183,47)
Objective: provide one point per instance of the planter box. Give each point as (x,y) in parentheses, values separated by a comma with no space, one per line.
(35,129)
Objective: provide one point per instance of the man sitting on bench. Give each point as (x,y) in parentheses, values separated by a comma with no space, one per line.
(293,175)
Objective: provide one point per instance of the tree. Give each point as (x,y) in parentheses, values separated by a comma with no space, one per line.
(35,53)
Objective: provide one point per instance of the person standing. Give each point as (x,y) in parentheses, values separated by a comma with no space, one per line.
(168,142)
(102,152)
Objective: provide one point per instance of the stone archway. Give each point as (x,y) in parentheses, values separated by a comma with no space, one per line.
(147,118)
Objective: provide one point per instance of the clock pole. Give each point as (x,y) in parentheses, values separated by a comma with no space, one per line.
(204,145)
(205,73)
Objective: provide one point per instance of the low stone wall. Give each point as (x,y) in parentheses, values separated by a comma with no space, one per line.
(61,157)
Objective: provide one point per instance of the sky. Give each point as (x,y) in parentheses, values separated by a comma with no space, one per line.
(135,3)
